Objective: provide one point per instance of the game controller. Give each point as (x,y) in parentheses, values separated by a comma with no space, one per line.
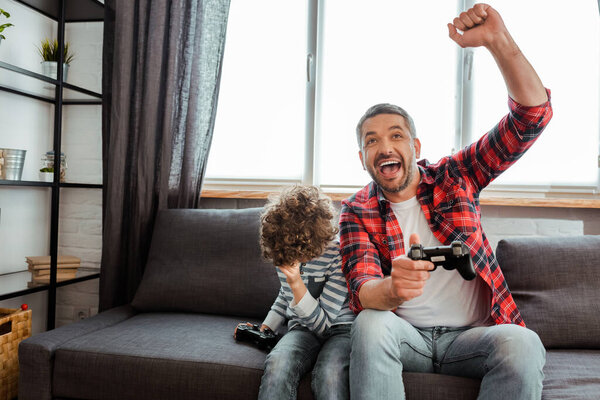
(456,256)
(248,332)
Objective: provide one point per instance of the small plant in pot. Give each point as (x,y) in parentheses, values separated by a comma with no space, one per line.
(47,174)
(4,26)
(50,53)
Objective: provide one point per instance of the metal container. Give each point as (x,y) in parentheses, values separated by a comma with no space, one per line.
(11,161)
(50,69)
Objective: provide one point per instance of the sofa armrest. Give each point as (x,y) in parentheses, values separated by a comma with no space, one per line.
(36,354)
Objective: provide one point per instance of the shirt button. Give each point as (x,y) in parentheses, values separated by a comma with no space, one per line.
(384,241)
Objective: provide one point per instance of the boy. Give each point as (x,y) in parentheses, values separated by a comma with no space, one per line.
(298,234)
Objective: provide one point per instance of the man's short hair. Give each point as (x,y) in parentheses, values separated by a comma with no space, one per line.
(297,225)
(385,108)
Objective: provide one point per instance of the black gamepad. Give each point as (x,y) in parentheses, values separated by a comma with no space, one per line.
(456,256)
(249,332)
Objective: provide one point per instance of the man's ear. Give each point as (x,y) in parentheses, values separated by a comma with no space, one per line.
(362,161)
(417,144)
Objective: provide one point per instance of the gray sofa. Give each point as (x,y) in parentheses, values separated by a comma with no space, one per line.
(205,274)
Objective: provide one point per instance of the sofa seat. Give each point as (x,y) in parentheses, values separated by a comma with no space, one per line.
(152,355)
(572,374)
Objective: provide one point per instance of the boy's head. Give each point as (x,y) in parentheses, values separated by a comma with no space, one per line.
(296,225)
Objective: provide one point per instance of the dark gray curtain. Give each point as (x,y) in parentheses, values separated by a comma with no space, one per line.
(161,72)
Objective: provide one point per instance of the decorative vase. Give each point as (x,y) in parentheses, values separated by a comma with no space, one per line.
(47,176)
(50,69)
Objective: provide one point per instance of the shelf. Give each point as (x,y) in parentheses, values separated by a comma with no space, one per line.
(24,183)
(50,184)
(81,185)
(75,10)
(40,87)
(14,284)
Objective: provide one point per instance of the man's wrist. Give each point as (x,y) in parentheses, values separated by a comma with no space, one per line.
(503,45)
(378,294)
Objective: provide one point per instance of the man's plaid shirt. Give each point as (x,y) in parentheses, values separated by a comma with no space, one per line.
(449,196)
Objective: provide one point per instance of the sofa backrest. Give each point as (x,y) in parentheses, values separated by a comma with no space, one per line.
(207,261)
(555,283)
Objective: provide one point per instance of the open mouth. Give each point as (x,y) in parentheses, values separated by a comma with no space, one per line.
(389,168)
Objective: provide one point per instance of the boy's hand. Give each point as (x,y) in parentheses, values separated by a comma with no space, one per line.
(291,272)
(263,327)
(293,278)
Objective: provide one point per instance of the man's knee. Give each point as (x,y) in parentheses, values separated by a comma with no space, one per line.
(375,328)
(369,323)
(521,348)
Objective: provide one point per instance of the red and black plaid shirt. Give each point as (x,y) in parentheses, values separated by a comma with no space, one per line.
(449,196)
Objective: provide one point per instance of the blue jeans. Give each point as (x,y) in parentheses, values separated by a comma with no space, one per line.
(507,358)
(297,352)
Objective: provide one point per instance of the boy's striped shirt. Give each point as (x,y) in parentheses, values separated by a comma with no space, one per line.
(324,304)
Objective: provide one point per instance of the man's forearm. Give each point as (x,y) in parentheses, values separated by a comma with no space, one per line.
(522,81)
(375,294)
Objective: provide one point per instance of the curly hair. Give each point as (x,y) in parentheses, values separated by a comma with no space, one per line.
(297,225)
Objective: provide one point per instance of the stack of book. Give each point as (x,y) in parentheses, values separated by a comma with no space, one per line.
(39,267)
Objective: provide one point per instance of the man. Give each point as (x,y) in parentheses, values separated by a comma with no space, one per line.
(440,322)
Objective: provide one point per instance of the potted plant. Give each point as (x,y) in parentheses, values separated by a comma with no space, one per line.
(47,174)
(4,26)
(50,53)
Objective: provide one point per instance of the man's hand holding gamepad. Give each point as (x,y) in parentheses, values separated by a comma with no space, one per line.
(263,327)
(408,277)
(406,281)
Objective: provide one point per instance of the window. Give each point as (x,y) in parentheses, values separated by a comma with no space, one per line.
(260,124)
(378,51)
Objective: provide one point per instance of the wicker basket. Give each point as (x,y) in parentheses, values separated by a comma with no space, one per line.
(15,325)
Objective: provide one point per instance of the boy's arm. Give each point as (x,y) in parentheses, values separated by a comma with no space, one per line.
(319,314)
(276,316)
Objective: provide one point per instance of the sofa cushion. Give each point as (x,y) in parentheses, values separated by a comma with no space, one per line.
(207,261)
(555,282)
(158,356)
(572,374)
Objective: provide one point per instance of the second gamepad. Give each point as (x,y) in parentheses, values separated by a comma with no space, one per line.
(455,256)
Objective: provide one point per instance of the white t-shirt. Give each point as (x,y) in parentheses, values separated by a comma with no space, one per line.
(447,299)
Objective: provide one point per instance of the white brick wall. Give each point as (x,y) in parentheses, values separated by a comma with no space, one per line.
(497,228)
(80,223)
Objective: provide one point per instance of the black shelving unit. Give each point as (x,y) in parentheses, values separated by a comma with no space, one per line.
(62,11)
